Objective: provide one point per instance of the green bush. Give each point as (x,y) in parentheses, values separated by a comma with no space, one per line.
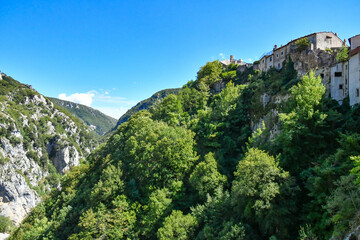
(3,159)
(302,44)
(5,224)
(343,54)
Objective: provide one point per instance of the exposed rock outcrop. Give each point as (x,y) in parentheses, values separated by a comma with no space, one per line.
(35,137)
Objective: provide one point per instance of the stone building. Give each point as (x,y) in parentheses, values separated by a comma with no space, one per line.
(318,41)
(339,81)
(266,61)
(354,70)
(242,66)
(227,62)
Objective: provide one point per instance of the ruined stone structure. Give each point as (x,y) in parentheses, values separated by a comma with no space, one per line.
(227,62)
(241,65)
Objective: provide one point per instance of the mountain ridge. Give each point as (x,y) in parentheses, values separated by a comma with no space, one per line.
(97,120)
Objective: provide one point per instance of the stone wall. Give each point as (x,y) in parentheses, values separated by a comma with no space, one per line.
(280,56)
(328,40)
(339,81)
(354,79)
(355,41)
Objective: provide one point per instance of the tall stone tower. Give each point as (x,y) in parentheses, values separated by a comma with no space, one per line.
(232,58)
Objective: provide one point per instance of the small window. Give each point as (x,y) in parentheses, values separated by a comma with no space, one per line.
(340,86)
(282,53)
(270,59)
(345,67)
(338,74)
(279,65)
(277,55)
(357,92)
(321,75)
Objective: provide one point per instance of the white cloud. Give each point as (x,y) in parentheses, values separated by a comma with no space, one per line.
(222,56)
(113,106)
(82,98)
(250,60)
(115,112)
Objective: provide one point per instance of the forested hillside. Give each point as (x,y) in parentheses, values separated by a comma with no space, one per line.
(268,157)
(146,104)
(38,143)
(98,121)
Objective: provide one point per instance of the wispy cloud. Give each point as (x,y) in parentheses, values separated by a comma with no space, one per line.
(115,112)
(82,98)
(222,56)
(102,100)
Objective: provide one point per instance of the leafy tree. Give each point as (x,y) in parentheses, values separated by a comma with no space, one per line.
(177,226)
(344,205)
(302,44)
(205,177)
(154,154)
(257,180)
(210,73)
(169,110)
(155,211)
(103,223)
(343,54)
(300,138)
(228,76)
(109,185)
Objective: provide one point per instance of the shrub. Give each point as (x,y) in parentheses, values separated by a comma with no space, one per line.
(343,54)
(5,224)
(3,159)
(302,44)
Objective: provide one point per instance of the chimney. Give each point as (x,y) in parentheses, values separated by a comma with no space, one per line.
(344,43)
(275,46)
(232,58)
(335,34)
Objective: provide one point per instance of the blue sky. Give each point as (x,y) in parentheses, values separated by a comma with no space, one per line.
(112,54)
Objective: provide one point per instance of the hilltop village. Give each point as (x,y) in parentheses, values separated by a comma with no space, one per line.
(340,75)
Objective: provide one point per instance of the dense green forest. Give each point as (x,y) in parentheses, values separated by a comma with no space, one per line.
(191,167)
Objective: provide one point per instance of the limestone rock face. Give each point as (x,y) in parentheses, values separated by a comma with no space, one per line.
(312,59)
(63,158)
(34,134)
(17,178)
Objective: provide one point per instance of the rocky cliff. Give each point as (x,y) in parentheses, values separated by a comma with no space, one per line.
(38,143)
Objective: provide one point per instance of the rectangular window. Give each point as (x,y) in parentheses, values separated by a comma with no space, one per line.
(270,59)
(340,86)
(282,53)
(357,92)
(321,75)
(338,74)
(277,55)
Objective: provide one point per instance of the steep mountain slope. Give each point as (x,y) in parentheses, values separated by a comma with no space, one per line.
(97,120)
(263,156)
(146,104)
(38,142)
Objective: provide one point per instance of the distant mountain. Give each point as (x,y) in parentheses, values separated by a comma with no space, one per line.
(146,104)
(97,120)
